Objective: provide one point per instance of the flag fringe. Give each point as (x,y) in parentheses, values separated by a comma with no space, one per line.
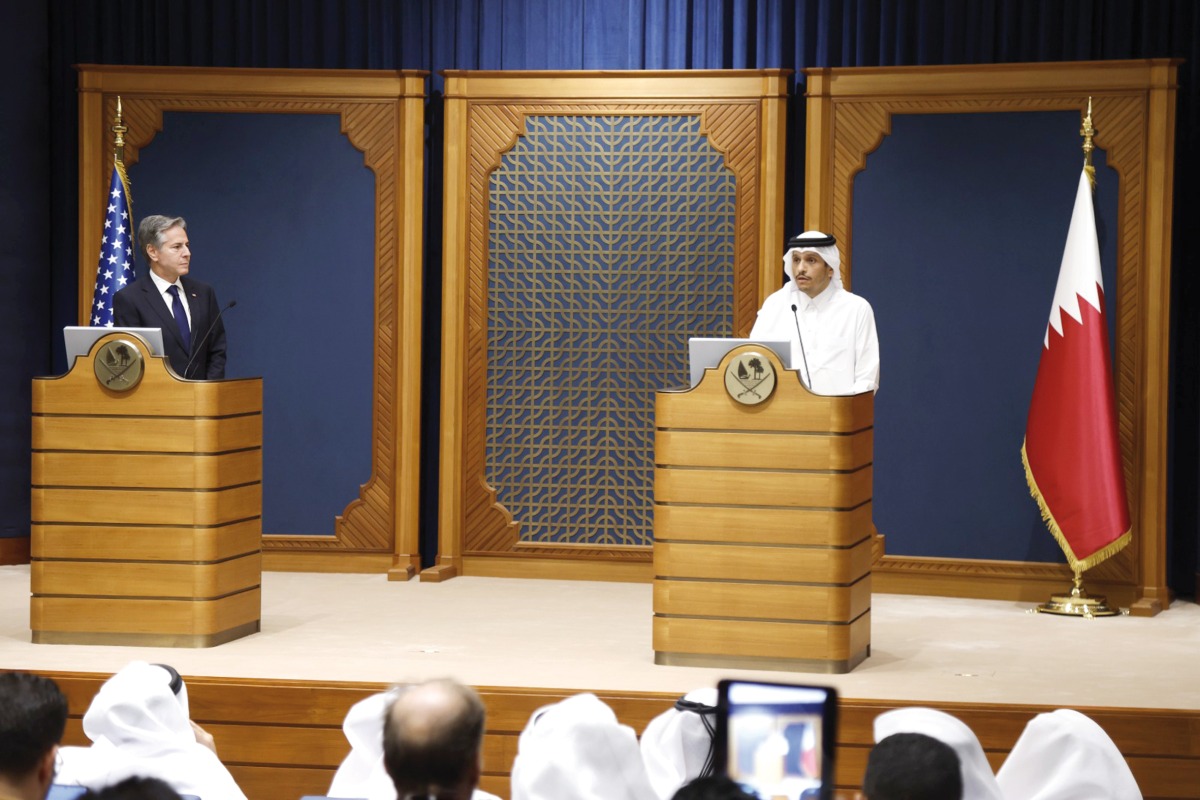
(119,166)
(1077,564)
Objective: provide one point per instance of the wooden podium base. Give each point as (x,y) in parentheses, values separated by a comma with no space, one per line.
(762,524)
(146,504)
(820,665)
(145,639)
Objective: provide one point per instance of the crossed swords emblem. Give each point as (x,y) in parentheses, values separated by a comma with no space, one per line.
(750,373)
(117,361)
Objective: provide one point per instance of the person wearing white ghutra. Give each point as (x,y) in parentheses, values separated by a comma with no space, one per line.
(835,346)
(1065,755)
(139,724)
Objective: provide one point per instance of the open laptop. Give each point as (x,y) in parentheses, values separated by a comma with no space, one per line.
(707,353)
(79,339)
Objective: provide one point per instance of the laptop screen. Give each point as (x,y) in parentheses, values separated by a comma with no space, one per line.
(707,353)
(80,339)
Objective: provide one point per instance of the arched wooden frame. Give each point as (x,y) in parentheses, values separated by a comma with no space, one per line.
(849,114)
(742,114)
(382,114)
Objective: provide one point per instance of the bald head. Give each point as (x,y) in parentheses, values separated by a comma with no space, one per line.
(432,735)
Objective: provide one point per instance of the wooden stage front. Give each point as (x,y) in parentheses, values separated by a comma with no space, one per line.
(275,700)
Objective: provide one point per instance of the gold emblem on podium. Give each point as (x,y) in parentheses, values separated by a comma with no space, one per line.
(750,378)
(119,365)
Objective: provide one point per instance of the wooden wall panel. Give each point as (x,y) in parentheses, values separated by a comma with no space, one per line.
(382,114)
(741,115)
(849,113)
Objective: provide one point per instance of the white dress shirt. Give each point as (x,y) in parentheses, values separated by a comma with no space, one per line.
(162,287)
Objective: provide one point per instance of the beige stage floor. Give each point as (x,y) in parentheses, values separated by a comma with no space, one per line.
(589,635)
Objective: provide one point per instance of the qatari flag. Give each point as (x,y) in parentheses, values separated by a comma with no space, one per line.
(1071,454)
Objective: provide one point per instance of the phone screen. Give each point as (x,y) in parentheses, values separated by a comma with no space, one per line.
(777,740)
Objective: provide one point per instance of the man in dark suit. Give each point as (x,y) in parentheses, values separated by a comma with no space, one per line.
(185,309)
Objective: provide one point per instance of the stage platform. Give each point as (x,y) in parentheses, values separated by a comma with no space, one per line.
(275,699)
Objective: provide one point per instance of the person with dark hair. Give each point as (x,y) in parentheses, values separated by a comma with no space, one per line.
(978,780)
(712,787)
(912,766)
(135,788)
(835,346)
(33,715)
(170,299)
(432,740)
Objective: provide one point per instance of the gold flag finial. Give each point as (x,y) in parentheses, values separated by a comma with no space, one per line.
(1087,131)
(119,130)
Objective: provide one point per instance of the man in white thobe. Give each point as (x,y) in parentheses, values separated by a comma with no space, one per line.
(139,724)
(834,344)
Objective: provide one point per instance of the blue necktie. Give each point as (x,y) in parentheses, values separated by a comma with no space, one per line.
(180,317)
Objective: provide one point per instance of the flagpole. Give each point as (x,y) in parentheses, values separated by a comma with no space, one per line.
(115,266)
(1077,602)
(1087,131)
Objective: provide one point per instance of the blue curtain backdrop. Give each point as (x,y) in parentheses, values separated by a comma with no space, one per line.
(636,34)
(24,230)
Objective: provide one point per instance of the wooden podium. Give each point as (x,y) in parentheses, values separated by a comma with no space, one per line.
(762,521)
(147,503)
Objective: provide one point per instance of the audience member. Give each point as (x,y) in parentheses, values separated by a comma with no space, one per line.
(712,787)
(677,745)
(433,740)
(1065,755)
(33,715)
(134,788)
(978,780)
(139,725)
(576,750)
(907,766)
(362,773)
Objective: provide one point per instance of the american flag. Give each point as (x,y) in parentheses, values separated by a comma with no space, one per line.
(116,251)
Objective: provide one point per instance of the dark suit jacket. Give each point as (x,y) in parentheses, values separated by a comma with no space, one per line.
(139,305)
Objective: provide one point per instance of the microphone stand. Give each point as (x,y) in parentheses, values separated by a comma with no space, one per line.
(803,355)
(207,333)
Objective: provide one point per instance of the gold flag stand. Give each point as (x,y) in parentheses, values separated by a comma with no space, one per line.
(1078,603)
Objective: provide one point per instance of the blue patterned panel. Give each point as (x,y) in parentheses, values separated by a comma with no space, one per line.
(611,241)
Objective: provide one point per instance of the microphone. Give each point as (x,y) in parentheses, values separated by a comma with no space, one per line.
(796,319)
(213,324)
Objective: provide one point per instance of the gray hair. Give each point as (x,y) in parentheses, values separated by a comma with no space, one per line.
(151,229)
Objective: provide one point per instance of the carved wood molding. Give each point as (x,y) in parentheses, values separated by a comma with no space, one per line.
(1131,100)
(473,521)
(378,114)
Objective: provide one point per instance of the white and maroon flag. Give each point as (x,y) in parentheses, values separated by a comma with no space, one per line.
(1071,454)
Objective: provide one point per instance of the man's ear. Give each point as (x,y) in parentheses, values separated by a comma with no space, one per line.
(45,768)
(477,769)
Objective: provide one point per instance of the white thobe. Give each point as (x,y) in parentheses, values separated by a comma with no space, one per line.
(840,348)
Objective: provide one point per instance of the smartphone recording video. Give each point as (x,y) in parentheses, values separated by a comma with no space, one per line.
(777,740)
